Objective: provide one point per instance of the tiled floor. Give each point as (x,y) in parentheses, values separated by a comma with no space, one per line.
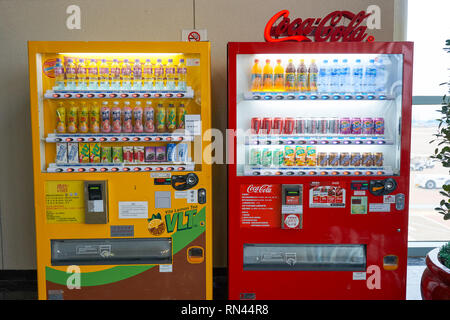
(20,286)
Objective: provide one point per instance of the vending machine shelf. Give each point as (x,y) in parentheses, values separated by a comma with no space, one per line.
(119,137)
(287,139)
(118,94)
(120,167)
(317,171)
(313,96)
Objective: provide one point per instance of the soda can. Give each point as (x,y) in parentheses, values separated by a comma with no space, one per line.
(94,118)
(161,153)
(150,154)
(333,125)
(356,125)
(344,159)
(60,119)
(367,126)
(127,122)
(278,157)
(94,152)
(322,159)
(289,125)
(289,156)
(266,157)
(138,154)
(256,125)
(137,115)
(149,119)
(278,125)
(128,154)
(255,157)
(311,125)
(300,156)
(160,118)
(378,125)
(171,121)
(378,159)
(72,118)
(333,159)
(345,126)
(105,118)
(72,152)
(322,126)
(267,125)
(300,126)
(171,152)
(116,118)
(181,113)
(367,159)
(83,118)
(355,159)
(311,156)
(182,152)
(61,153)
(83,153)
(106,154)
(117,154)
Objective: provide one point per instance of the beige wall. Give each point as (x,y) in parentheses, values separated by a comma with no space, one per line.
(143,20)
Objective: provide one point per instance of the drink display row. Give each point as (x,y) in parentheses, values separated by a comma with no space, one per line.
(73,153)
(101,74)
(339,76)
(301,156)
(335,126)
(90,117)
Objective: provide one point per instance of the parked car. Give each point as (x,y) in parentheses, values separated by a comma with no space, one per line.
(421,163)
(431,181)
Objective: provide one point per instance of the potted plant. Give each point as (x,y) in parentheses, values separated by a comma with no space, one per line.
(435,283)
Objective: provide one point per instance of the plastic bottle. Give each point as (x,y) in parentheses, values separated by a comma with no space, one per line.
(61,122)
(149,117)
(105,117)
(126,75)
(278,77)
(92,74)
(344,83)
(256,77)
(370,75)
(182,76)
(268,76)
(59,75)
(160,118)
(334,76)
(290,77)
(116,118)
(312,76)
(127,118)
(81,75)
(137,115)
(302,77)
(147,71)
(71,75)
(171,118)
(357,77)
(83,118)
(159,75)
(104,75)
(137,75)
(72,118)
(323,79)
(115,75)
(381,80)
(170,75)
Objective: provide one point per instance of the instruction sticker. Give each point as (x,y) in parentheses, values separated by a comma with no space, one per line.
(193,124)
(64,201)
(379,207)
(389,198)
(133,210)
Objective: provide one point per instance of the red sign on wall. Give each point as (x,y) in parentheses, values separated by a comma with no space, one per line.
(336,26)
(260,205)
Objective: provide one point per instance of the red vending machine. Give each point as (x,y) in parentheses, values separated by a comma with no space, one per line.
(319,181)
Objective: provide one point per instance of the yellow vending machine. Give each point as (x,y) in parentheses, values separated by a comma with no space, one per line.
(122,191)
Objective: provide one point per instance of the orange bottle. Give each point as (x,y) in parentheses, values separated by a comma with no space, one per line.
(278,77)
(268,76)
(256,84)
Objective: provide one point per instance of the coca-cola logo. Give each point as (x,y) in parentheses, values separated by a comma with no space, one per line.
(331,28)
(263,188)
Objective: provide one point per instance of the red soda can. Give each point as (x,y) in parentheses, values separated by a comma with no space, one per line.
(322,126)
(356,126)
(378,125)
(256,125)
(289,124)
(278,124)
(300,125)
(367,126)
(333,125)
(266,125)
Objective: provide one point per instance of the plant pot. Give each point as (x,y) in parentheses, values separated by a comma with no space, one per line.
(435,283)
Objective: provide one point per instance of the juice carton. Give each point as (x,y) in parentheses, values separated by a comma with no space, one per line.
(72,152)
(61,153)
(117,155)
(94,152)
(289,156)
(300,156)
(84,153)
(311,156)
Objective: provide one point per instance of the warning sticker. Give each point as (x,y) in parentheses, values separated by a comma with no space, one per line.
(260,205)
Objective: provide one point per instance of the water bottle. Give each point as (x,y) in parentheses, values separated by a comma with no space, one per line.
(81,75)
(159,75)
(357,77)
(182,75)
(345,77)
(381,78)
(170,75)
(126,75)
(104,75)
(137,75)
(92,75)
(323,81)
(370,76)
(335,76)
(115,75)
(71,75)
(59,75)
(147,71)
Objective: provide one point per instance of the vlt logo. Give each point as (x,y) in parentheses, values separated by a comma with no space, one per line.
(181,220)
